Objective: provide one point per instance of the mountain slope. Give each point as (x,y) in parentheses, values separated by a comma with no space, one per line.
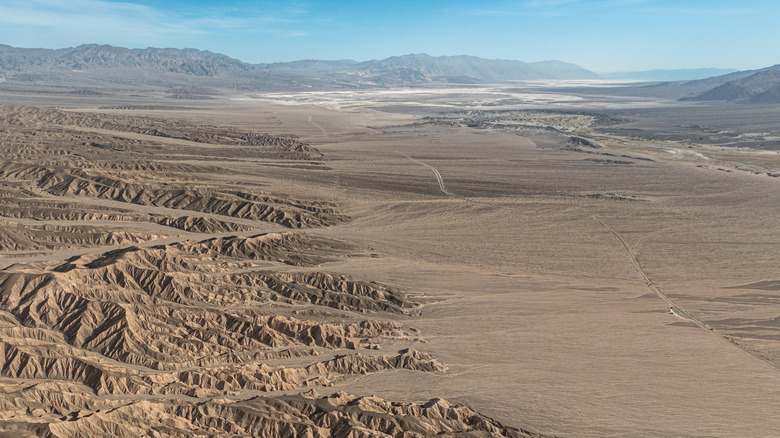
(186,61)
(720,80)
(760,87)
(93,56)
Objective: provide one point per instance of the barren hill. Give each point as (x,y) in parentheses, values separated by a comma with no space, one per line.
(760,87)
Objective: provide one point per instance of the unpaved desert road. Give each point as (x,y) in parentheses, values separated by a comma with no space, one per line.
(674,308)
(438,177)
(324,133)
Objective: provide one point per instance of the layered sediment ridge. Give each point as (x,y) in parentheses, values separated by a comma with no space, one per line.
(152,297)
(96,346)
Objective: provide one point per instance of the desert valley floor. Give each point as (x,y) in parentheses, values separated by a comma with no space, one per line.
(252,265)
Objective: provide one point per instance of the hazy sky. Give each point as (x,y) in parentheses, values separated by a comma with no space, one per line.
(601,35)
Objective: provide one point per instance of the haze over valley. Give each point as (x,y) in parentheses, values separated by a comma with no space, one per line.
(403,245)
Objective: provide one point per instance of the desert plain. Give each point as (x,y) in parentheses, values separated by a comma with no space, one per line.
(525,260)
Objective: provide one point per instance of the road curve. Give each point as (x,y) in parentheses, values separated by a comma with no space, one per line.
(436,173)
(324,133)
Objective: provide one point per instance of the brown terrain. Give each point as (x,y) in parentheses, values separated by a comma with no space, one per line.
(388,264)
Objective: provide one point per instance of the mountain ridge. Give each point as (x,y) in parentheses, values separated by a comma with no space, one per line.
(760,86)
(160,66)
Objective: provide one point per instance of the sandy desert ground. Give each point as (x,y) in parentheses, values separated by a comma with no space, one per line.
(459,262)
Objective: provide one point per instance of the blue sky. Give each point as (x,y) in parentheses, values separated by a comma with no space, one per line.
(601,35)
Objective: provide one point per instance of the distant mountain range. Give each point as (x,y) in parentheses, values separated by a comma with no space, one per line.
(185,61)
(422,68)
(197,74)
(751,86)
(103,65)
(683,74)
